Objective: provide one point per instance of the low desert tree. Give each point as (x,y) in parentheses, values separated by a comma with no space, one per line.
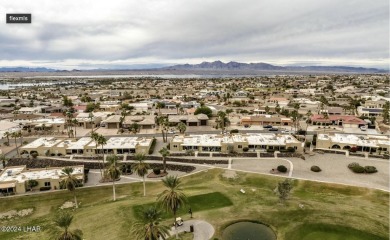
(284,189)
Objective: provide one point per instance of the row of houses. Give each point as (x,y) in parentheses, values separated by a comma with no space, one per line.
(85,146)
(16,179)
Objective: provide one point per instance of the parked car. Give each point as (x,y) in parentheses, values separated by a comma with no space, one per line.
(363,128)
(172,131)
(267,126)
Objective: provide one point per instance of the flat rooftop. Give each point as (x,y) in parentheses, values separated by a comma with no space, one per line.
(43,142)
(369,141)
(79,144)
(20,174)
(251,138)
(124,142)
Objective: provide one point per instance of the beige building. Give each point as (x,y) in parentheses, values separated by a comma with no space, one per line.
(189,120)
(262,120)
(85,146)
(235,143)
(15,179)
(371,143)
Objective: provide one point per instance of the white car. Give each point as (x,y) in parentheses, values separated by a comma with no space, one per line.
(363,128)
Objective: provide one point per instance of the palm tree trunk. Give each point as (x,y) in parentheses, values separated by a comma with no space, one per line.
(165,165)
(17,150)
(144,186)
(113,189)
(75,199)
(176,233)
(100,166)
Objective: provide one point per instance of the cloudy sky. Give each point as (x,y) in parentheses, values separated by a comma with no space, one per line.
(86,34)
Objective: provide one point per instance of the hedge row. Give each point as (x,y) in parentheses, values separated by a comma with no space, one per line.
(42,163)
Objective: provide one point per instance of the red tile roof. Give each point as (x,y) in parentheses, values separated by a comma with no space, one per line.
(344,118)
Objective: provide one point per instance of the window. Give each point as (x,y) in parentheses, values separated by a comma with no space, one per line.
(239,146)
(175,146)
(47,184)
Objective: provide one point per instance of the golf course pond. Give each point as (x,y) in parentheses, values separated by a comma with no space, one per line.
(247,230)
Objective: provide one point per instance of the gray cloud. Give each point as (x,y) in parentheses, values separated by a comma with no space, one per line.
(91,33)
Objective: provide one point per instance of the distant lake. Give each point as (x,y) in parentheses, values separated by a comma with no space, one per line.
(7,86)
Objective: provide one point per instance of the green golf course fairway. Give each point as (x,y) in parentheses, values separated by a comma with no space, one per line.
(330,232)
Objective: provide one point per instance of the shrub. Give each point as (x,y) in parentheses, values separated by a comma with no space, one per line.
(157,171)
(59,154)
(52,154)
(25,142)
(190,152)
(234,131)
(315,168)
(44,188)
(282,168)
(245,149)
(6,144)
(303,158)
(370,169)
(151,150)
(290,149)
(353,164)
(34,155)
(358,169)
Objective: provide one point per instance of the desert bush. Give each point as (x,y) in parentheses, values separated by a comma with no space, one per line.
(358,169)
(44,188)
(315,168)
(234,131)
(353,164)
(282,168)
(245,149)
(370,169)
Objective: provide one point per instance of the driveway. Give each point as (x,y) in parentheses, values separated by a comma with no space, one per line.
(334,169)
(202,229)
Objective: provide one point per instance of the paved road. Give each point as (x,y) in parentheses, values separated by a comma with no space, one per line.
(202,229)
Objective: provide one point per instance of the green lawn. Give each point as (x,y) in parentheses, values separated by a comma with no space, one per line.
(330,232)
(198,203)
(356,212)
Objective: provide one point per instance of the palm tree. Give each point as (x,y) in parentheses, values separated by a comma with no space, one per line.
(113,171)
(95,138)
(91,116)
(172,198)
(70,182)
(141,168)
(181,127)
(63,221)
(148,227)
(222,120)
(7,135)
(102,141)
(160,105)
(75,123)
(16,135)
(164,153)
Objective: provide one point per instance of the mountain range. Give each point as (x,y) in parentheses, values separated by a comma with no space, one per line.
(214,66)
(218,65)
